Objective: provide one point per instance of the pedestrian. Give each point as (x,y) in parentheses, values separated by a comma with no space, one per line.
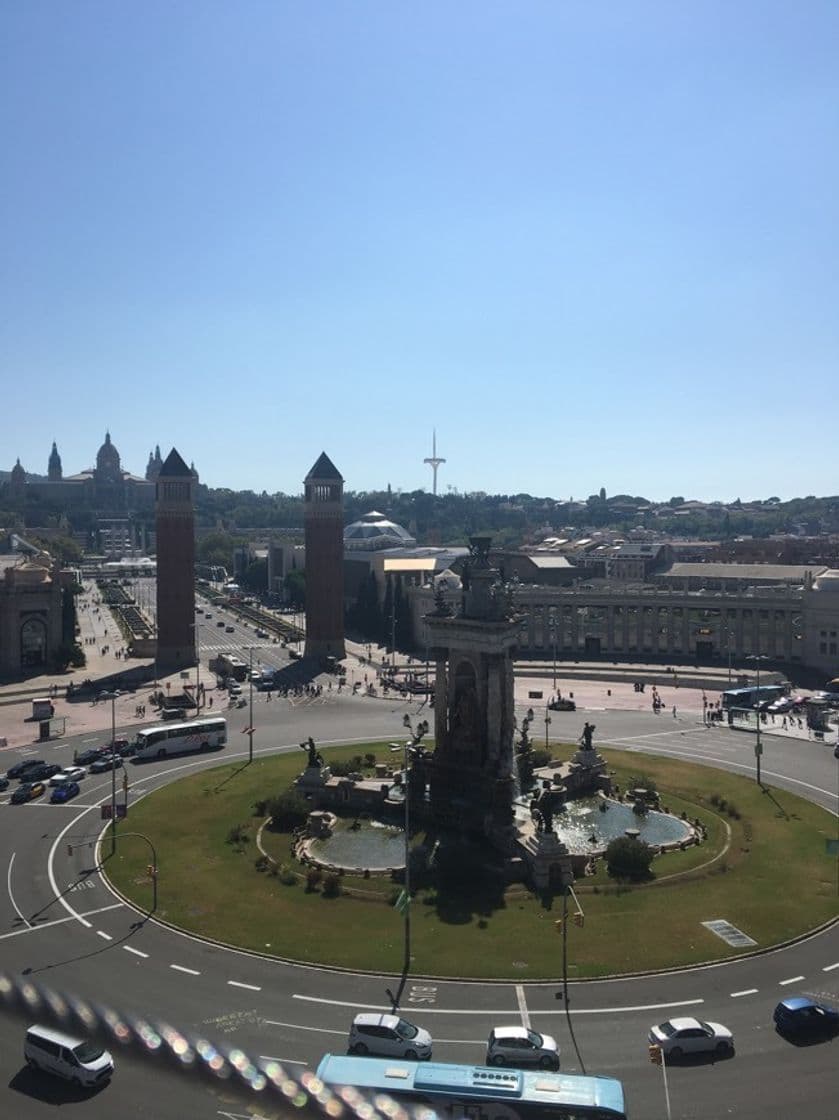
(674,711)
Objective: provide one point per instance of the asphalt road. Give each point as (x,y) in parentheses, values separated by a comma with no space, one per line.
(60,925)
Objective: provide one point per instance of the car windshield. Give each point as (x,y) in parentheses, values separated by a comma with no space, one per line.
(405,1029)
(667,1029)
(707,1028)
(534,1038)
(88,1051)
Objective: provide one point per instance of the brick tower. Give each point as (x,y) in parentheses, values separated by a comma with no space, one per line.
(324,522)
(175,509)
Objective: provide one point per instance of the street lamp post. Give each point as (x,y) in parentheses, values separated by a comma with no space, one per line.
(757,658)
(547,724)
(250,704)
(113,698)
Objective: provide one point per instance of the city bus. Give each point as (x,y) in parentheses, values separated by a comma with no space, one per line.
(229,665)
(181,738)
(456,1092)
(752,697)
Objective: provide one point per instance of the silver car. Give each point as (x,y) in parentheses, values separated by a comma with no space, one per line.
(518,1046)
(678,1037)
(389,1036)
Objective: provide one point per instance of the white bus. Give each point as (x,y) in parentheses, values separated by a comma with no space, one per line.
(181,738)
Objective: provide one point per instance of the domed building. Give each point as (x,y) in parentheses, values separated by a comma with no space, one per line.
(374,531)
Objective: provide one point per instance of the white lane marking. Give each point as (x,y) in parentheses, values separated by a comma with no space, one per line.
(51,871)
(830,967)
(745,992)
(282,1061)
(58,921)
(136,952)
(182,968)
(792,980)
(522,1002)
(387,1008)
(298,1027)
(93,740)
(102,933)
(239,984)
(11,896)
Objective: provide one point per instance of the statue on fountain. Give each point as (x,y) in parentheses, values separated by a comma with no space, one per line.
(315,757)
(586,737)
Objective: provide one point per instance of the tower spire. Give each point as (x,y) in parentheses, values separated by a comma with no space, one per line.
(434,461)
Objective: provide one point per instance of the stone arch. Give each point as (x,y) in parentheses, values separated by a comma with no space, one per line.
(33,643)
(465,720)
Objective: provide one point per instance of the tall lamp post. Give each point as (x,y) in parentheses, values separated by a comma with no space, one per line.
(112,696)
(552,628)
(757,658)
(250,704)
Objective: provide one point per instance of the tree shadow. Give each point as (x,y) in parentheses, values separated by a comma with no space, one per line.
(467,882)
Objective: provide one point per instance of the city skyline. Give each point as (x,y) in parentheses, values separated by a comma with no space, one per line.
(588,247)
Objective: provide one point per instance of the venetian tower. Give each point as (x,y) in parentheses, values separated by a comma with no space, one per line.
(471,770)
(175,526)
(324,525)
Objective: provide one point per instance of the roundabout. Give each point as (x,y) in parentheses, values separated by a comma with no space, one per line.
(762,868)
(63,927)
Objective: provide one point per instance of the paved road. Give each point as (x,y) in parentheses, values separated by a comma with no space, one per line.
(84,940)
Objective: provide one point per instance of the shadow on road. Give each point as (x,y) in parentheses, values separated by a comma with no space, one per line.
(51,1090)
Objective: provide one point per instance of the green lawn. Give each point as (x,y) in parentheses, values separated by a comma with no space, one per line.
(765,870)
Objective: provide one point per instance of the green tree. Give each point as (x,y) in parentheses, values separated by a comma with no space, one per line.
(629,858)
(295,588)
(289,810)
(255,576)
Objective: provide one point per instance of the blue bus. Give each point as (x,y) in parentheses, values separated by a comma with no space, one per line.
(454,1092)
(752,697)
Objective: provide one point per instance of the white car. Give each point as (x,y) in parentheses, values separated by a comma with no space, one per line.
(389,1036)
(678,1037)
(517,1046)
(68,774)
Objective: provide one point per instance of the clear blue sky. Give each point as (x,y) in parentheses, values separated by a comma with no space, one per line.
(594,243)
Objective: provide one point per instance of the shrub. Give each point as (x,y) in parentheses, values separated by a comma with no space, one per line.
(261,863)
(238,835)
(629,858)
(369,760)
(642,781)
(341,769)
(260,806)
(331,885)
(314,877)
(288,811)
(541,757)
(287,876)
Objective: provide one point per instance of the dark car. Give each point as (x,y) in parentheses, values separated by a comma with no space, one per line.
(65,792)
(800,1015)
(20,768)
(4,784)
(41,773)
(86,757)
(27,791)
(105,763)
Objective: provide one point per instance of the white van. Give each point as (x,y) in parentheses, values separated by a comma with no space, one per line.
(75,1059)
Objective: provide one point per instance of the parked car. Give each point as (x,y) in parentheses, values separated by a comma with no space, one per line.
(220,622)
(65,792)
(20,768)
(802,1016)
(262,633)
(518,1046)
(234,688)
(27,791)
(678,1037)
(389,1036)
(69,774)
(562,705)
(4,784)
(106,763)
(123,747)
(229,629)
(88,756)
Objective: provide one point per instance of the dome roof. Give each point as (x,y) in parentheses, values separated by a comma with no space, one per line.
(107,457)
(373,531)
(18,473)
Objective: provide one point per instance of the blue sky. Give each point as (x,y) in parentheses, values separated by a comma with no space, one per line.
(593,244)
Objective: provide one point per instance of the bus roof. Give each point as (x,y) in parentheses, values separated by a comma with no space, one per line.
(381,1075)
(200,721)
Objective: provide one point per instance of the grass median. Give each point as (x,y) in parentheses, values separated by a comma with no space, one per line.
(764,868)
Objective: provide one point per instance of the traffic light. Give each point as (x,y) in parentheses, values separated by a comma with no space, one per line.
(579,919)
(69,849)
(655,1054)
